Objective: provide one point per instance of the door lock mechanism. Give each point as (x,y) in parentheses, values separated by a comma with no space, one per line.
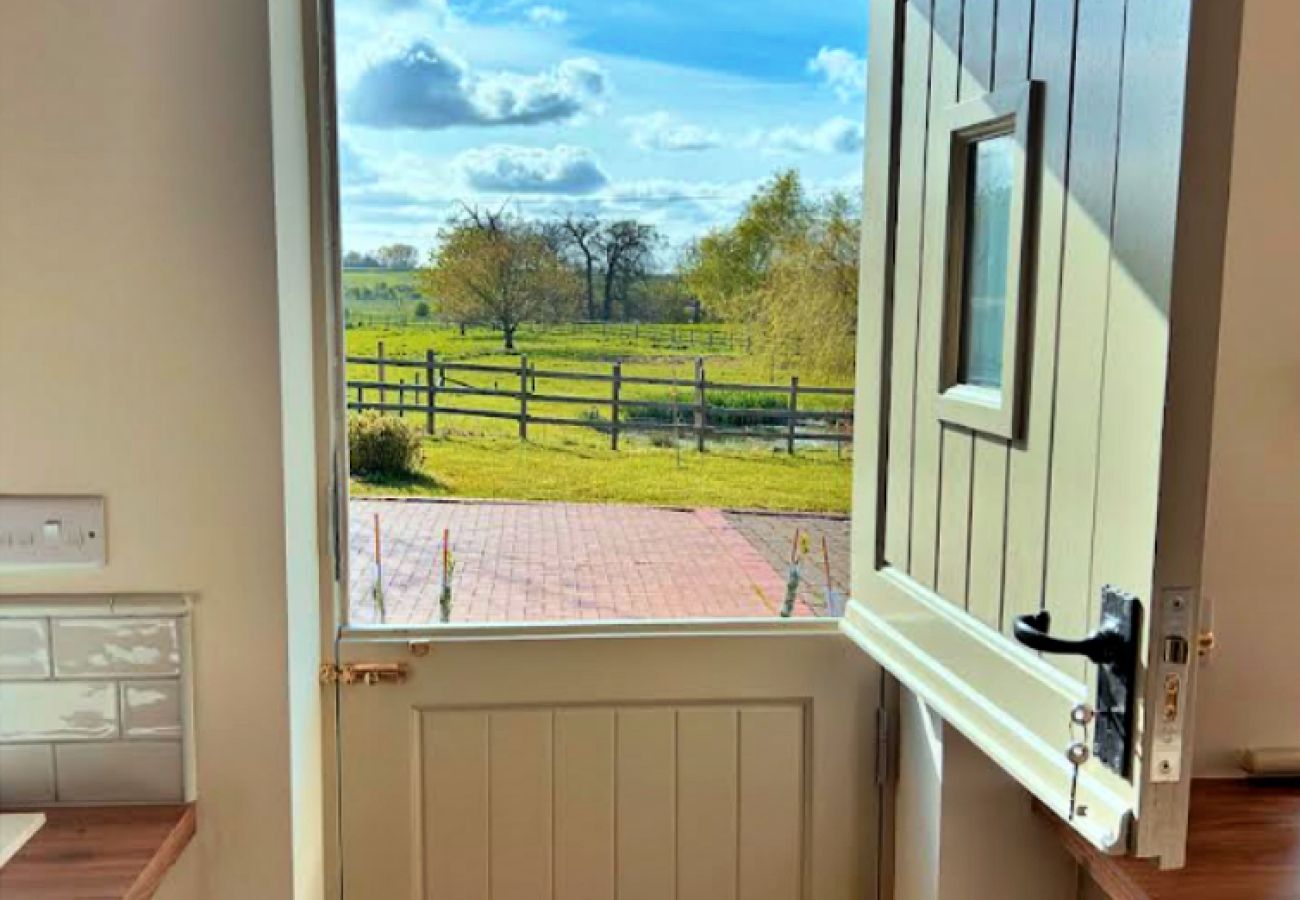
(1113,647)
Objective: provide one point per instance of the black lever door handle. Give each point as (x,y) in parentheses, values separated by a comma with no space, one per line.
(1105,645)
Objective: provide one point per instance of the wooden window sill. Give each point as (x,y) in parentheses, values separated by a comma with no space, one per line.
(99,852)
(1243,842)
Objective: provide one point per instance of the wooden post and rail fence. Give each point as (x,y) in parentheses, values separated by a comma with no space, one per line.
(425,388)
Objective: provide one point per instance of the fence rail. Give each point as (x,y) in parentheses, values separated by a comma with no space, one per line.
(423,381)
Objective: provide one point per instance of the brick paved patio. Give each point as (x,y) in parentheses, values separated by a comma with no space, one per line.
(773,536)
(533,562)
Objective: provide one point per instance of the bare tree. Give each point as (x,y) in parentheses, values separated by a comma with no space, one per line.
(581,236)
(627,252)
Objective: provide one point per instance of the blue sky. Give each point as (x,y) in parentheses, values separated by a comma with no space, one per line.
(671,112)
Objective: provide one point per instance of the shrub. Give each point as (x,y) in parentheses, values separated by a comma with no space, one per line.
(758,408)
(382,445)
(422,310)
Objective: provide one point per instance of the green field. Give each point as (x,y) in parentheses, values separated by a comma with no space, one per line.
(373,296)
(372,277)
(479,457)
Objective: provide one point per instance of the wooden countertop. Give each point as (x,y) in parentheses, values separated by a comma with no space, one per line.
(99,853)
(1243,843)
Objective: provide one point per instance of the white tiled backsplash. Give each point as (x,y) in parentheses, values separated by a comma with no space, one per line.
(94,701)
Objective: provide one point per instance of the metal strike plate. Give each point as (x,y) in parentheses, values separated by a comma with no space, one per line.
(1172,671)
(1113,732)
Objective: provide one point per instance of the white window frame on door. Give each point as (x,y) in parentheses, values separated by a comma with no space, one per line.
(1011,112)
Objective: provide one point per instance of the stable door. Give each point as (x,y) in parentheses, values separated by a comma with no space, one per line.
(1039,320)
(637,762)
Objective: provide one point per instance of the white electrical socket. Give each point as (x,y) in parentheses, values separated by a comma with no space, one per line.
(51,532)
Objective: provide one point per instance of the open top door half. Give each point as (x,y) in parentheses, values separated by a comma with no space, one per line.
(1046,184)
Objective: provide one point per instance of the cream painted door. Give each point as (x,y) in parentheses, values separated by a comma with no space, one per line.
(1035,381)
(680,764)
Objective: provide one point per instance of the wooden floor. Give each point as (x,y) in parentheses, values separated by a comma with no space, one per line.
(1243,844)
(99,853)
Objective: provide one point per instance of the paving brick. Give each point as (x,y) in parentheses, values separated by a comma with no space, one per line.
(569,562)
(772,536)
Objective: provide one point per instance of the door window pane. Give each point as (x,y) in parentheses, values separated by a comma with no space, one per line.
(988,236)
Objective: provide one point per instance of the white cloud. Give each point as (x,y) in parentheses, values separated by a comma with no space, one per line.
(438,8)
(531,170)
(354,167)
(662,131)
(422,86)
(547,16)
(842,70)
(835,135)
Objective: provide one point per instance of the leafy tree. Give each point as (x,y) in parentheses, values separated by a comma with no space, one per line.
(728,267)
(398,256)
(788,268)
(659,298)
(808,301)
(354,260)
(494,267)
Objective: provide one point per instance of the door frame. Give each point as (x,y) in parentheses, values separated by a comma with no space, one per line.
(329,379)
(319,74)
(1195,204)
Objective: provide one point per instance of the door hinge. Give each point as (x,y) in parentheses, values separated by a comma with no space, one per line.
(883,746)
(363,673)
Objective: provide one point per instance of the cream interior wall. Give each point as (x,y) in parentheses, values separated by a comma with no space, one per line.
(964,829)
(1249,693)
(139,359)
(917,799)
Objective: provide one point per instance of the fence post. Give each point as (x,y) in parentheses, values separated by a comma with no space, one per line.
(383,394)
(430,393)
(523,398)
(401,398)
(613,406)
(701,407)
(794,409)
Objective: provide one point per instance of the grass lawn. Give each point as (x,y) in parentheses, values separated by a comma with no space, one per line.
(579,470)
(479,457)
